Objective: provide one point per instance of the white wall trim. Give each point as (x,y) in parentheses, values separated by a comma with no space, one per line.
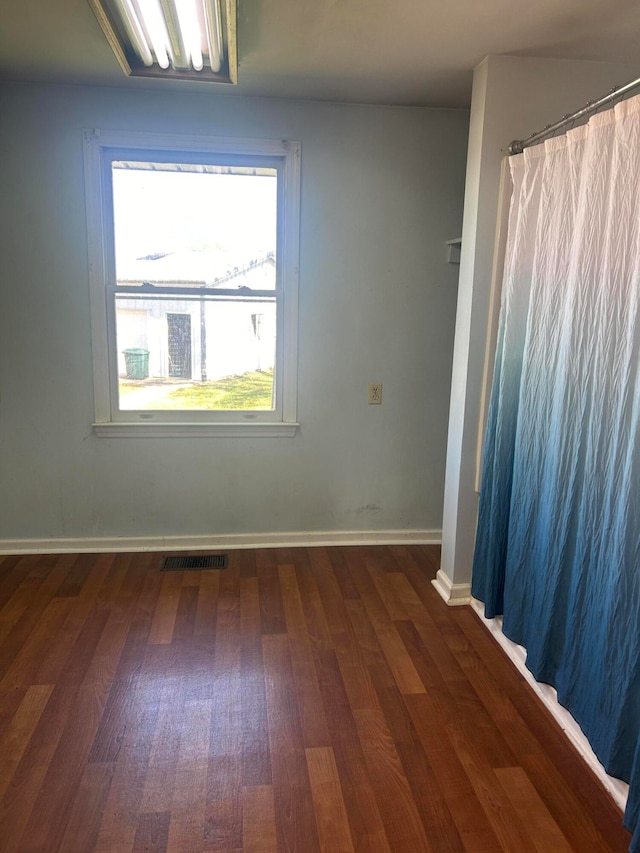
(145,429)
(616,788)
(453,593)
(305,539)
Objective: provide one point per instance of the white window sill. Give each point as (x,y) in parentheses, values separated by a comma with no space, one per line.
(195,430)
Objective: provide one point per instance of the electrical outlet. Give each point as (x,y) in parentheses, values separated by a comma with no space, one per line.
(375,393)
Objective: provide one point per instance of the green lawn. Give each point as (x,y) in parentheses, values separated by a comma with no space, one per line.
(125,387)
(249,391)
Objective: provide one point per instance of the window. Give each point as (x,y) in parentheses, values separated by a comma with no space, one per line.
(193,246)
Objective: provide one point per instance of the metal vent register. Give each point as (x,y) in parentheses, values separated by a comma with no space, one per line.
(205,561)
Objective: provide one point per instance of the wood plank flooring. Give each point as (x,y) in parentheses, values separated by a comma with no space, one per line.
(300,700)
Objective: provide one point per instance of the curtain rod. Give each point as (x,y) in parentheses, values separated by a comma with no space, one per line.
(518,145)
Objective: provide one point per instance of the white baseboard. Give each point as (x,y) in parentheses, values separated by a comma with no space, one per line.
(453,593)
(617,789)
(306,539)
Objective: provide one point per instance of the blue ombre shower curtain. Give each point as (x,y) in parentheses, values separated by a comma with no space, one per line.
(558,541)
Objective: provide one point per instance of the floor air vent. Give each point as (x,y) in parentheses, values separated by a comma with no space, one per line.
(205,561)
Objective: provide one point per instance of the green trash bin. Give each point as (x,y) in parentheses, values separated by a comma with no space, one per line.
(137,363)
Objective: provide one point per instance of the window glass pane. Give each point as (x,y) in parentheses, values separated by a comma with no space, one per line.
(189,352)
(193,274)
(194,225)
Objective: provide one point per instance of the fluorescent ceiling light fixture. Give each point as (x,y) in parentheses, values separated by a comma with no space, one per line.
(180,39)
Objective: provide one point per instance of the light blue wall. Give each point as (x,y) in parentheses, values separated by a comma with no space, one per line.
(382,190)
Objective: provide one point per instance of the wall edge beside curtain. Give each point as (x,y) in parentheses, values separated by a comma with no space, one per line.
(505,189)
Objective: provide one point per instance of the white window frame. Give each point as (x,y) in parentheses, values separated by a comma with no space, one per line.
(100,148)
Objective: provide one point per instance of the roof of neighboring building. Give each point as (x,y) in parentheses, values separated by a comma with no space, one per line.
(201,267)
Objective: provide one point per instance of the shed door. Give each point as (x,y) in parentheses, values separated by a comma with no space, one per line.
(179,326)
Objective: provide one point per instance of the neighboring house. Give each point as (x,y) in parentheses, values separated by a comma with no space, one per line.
(196,338)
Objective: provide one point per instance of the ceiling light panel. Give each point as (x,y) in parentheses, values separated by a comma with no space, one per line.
(182,39)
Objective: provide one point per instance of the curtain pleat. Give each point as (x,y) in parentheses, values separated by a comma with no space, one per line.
(558,541)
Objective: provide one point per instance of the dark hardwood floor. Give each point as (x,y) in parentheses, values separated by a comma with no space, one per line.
(300,700)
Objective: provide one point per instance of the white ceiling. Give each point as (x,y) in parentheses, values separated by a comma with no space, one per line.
(418,52)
